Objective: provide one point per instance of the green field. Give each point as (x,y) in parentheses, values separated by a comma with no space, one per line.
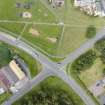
(72,39)
(9,11)
(14,29)
(44,19)
(18,26)
(41,40)
(51,91)
(80,81)
(95,73)
(7,53)
(4,97)
(77,23)
(34,66)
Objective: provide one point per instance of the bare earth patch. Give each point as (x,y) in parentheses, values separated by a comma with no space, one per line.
(51,39)
(34,32)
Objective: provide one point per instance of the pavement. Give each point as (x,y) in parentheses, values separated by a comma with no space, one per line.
(32,83)
(82,49)
(50,67)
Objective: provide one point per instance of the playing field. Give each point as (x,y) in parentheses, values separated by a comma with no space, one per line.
(55,31)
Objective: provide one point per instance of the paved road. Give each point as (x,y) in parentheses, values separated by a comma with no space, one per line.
(72,83)
(34,53)
(34,82)
(86,46)
(53,67)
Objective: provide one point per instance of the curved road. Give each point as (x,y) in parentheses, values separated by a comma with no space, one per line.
(82,49)
(28,86)
(52,67)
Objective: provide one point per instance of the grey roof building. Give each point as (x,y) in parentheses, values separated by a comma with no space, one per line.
(91,7)
(57,2)
(10,75)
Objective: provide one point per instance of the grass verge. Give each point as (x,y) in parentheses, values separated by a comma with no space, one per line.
(74,74)
(52,83)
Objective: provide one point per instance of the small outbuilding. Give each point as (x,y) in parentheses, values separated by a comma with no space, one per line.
(26,15)
(57,2)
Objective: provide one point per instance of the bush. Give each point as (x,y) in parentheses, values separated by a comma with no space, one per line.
(104,72)
(100,48)
(5,54)
(85,61)
(46,95)
(91,31)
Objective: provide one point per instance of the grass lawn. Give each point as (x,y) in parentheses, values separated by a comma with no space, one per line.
(34,66)
(45,32)
(40,14)
(72,39)
(5,55)
(51,83)
(74,34)
(76,17)
(78,22)
(14,29)
(4,97)
(9,11)
(93,74)
(80,81)
(8,52)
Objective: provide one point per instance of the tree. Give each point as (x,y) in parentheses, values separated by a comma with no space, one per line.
(85,61)
(104,72)
(100,49)
(91,31)
(46,95)
(5,55)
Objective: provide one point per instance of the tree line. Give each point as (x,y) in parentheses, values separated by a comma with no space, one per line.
(87,59)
